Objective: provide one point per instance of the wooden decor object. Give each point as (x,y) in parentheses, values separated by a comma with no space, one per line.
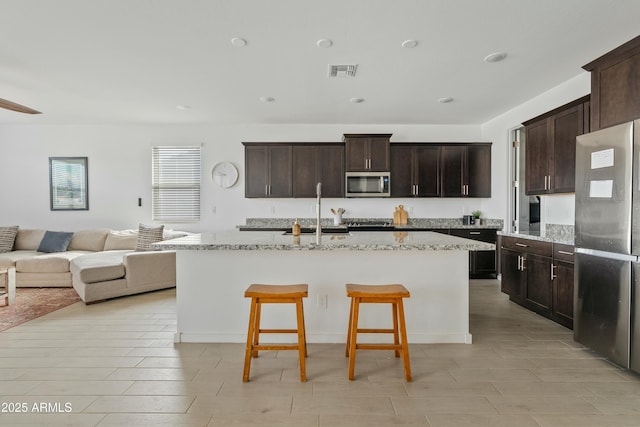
(275,294)
(377,294)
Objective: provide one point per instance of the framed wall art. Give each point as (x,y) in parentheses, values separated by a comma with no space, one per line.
(68,183)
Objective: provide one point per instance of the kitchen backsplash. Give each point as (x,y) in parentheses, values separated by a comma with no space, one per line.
(412,222)
(559,232)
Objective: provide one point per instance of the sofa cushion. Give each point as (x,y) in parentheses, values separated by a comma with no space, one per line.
(47,263)
(55,241)
(99,267)
(7,238)
(148,235)
(89,240)
(120,240)
(9,259)
(28,240)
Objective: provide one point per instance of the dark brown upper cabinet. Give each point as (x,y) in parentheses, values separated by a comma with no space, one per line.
(268,170)
(466,170)
(550,148)
(367,152)
(318,163)
(615,86)
(415,170)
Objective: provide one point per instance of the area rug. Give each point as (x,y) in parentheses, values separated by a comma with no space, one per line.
(34,302)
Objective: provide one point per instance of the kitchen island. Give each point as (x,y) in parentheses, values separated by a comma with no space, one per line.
(214,269)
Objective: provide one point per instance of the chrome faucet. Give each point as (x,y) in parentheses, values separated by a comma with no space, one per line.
(318,226)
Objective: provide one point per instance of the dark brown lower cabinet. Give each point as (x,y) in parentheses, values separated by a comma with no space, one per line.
(482,264)
(537,285)
(538,276)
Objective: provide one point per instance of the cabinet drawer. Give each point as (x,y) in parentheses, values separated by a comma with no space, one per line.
(563,252)
(527,245)
(486,235)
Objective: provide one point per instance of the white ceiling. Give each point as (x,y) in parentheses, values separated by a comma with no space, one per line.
(134,61)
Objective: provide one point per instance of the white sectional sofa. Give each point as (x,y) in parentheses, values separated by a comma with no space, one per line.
(99,263)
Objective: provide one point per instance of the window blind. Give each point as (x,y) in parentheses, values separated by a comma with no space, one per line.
(175,184)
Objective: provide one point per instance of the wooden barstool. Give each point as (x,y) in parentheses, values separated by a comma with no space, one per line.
(391,294)
(272,294)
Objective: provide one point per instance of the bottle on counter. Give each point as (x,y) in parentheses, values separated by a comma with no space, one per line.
(295,230)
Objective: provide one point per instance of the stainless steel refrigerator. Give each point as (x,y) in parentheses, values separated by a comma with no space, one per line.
(607,240)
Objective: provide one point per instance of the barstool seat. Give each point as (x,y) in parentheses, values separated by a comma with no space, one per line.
(275,294)
(377,294)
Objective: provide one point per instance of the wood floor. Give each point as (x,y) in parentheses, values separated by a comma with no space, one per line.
(115,363)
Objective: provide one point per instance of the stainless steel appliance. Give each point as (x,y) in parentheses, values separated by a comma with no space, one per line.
(367,184)
(607,240)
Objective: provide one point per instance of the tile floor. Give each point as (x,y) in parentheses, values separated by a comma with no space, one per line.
(114,363)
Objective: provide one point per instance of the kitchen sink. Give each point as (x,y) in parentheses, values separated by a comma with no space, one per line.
(325,230)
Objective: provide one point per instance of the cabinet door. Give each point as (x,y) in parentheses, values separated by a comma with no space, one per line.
(305,172)
(478,168)
(357,154)
(452,171)
(563,293)
(427,162)
(402,173)
(538,294)
(538,155)
(379,154)
(256,171)
(331,171)
(280,184)
(565,127)
(483,264)
(511,283)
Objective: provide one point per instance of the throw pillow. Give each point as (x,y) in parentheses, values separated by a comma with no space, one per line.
(55,241)
(148,235)
(7,238)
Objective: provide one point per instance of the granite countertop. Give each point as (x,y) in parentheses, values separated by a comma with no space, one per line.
(360,241)
(254,224)
(554,233)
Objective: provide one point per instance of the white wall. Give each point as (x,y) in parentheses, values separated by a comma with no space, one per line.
(120,173)
(556,209)
(120,169)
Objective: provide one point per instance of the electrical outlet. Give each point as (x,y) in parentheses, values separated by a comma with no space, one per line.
(322,301)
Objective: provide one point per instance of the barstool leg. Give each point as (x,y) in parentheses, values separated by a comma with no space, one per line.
(249,349)
(396,336)
(256,329)
(302,343)
(346,350)
(353,332)
(405,344)
(304,329)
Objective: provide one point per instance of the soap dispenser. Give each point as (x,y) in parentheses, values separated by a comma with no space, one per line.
(296,228)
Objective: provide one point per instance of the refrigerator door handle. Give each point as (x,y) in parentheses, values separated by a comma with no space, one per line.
(609,255)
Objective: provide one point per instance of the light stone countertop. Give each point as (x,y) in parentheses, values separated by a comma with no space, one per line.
(555,233)
(355,241)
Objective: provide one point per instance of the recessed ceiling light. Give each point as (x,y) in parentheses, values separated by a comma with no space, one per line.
(495,57)
(445,100)
(324,43)
(183,107)
(409,44)
(238,42)
(267,98)
(356,100)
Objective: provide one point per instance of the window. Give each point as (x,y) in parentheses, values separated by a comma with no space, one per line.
(175,184)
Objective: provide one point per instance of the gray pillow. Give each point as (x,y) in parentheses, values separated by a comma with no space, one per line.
(7,238)
(55,241)
(148,235)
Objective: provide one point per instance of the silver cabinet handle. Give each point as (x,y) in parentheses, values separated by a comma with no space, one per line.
(522,245)
(474,232)
(565,253)
(266,190)
(553,276)
(524,266)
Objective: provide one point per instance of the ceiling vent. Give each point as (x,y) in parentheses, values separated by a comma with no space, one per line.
(342,70)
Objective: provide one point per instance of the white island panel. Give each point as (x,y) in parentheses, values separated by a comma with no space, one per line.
(211,306)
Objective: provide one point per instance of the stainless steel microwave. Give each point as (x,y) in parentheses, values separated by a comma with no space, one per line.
(367,184)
